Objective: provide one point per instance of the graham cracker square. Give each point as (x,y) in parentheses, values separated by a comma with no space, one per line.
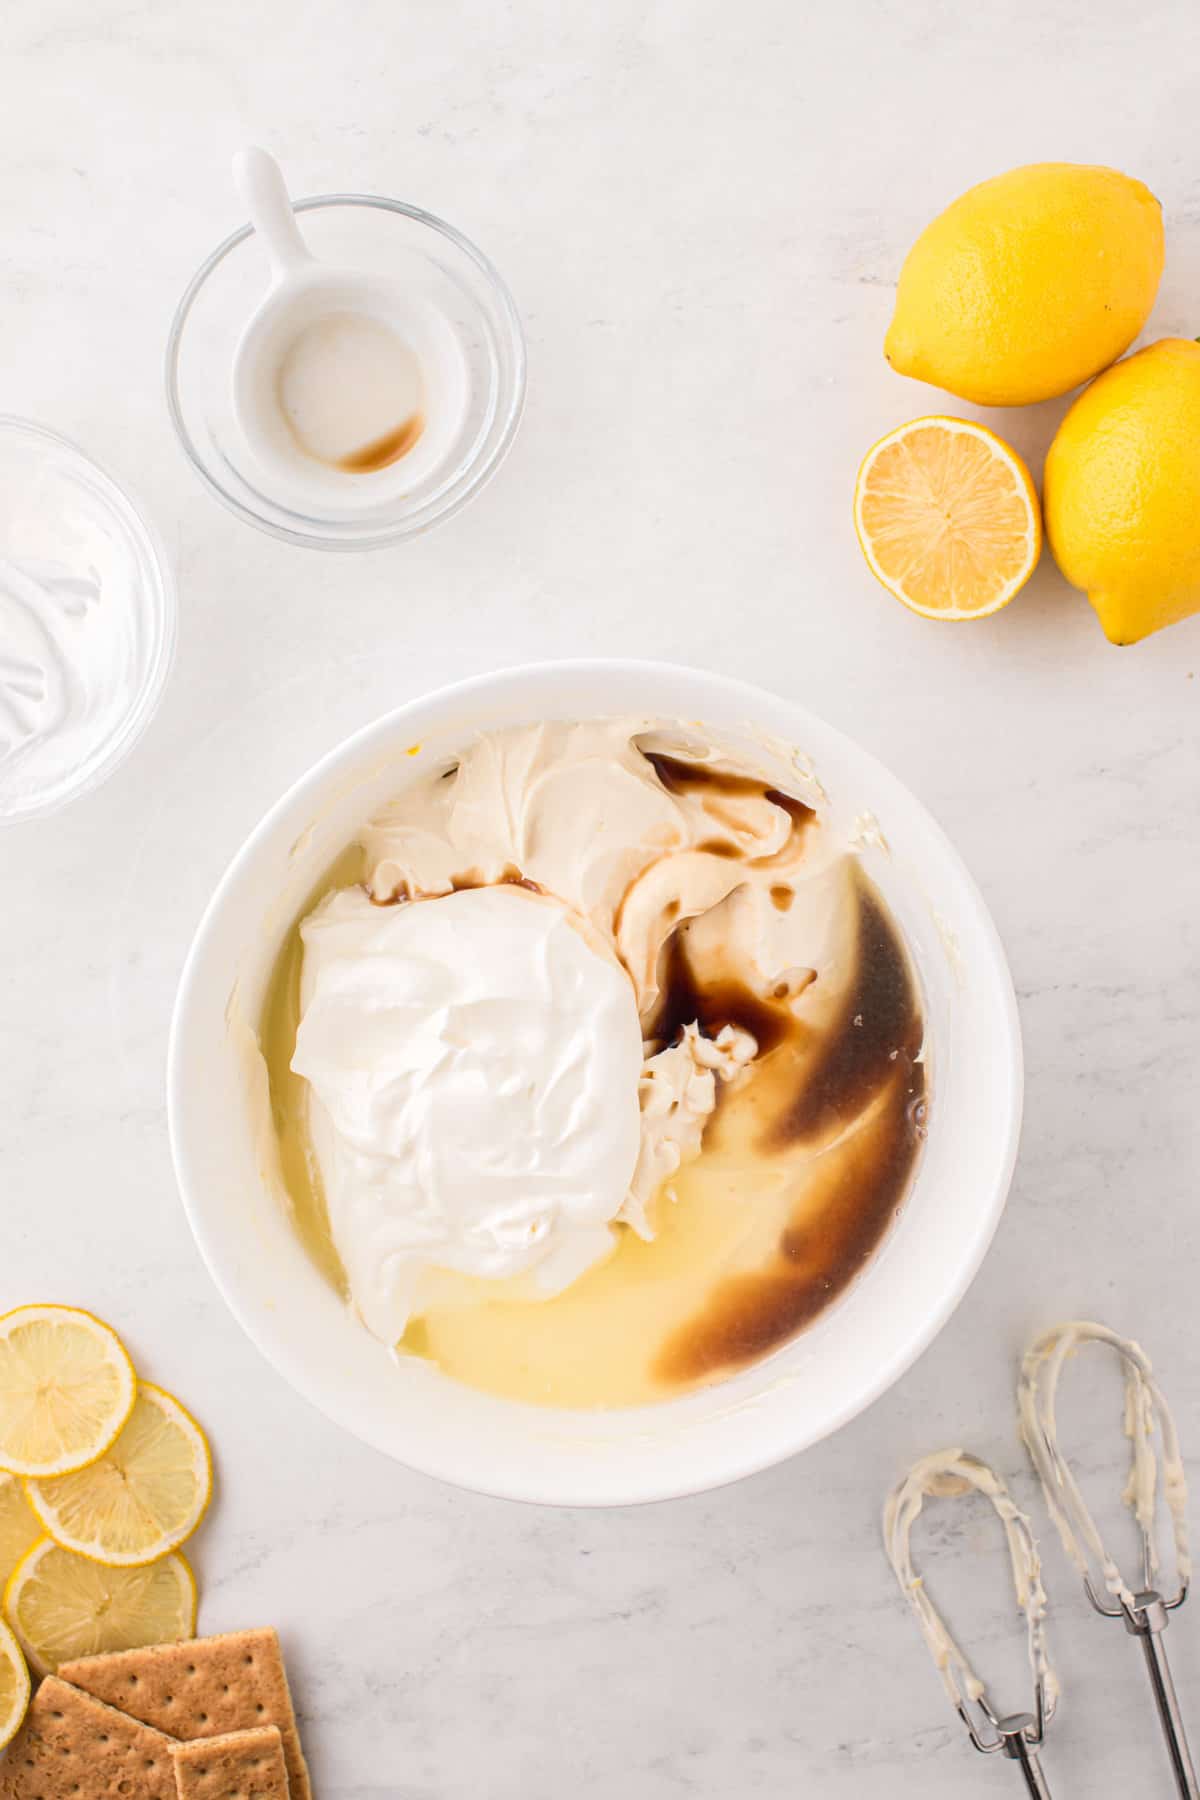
(242,1765)
(204,1688)
(72,1745)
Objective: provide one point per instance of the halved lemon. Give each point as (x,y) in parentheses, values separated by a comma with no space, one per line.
(14,1686)
(66,1388)
(20,1527)
(948,518)
(62,1606)
(142,1498)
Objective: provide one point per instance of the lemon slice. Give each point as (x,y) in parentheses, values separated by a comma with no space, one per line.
(14,1686)
(66,1388)
(948,518)
(142,1498)
(62,1606)
(20,1527)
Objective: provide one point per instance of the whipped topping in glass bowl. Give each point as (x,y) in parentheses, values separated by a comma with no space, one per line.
(87,622)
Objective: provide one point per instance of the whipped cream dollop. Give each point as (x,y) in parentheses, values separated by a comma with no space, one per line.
(492,1087)
(476,1065)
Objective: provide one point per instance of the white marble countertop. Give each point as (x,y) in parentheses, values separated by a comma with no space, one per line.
(702,213)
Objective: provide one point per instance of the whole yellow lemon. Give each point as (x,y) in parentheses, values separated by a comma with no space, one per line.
(1028,284)
(1122,491)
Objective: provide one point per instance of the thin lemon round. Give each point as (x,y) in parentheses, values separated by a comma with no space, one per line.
(66,1388)
(143,1497)
(948,518)
(14,1686)
(62,1606)
(20,1527)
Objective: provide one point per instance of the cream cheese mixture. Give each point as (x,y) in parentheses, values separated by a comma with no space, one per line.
(597,1070)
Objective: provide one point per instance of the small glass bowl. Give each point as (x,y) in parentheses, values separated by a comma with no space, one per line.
(87,621)
(381,237)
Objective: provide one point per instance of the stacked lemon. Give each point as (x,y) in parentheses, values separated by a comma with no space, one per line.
(102,1478)
(1023,288)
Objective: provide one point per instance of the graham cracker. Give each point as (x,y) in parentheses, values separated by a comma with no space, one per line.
(242,1765)
(72,1745)
(204,1688)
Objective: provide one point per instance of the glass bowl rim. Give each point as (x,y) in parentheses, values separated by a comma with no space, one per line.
(477,475)
(133,516)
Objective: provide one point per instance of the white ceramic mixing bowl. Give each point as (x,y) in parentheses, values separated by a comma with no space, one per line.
(783,1404)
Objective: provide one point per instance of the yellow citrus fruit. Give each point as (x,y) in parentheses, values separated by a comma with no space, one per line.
(948,518)
(62,1606)
(1028,284)
(143,1497)
(14,1686)
(1122,490)
(20,1527)
(66,1388)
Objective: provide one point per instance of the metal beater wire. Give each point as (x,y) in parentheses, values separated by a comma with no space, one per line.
(1144,1610)
(952,1473)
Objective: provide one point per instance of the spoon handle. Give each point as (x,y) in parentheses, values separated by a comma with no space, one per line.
(261,185)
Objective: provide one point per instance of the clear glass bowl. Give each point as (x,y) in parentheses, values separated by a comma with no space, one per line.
(381,237)
(87,621)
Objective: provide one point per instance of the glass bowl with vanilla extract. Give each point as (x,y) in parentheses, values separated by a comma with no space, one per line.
(280,456)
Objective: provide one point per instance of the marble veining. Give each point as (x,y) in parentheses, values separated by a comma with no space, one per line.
(702,215)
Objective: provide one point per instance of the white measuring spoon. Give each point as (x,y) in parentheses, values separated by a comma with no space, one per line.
(348,386)
(259,180)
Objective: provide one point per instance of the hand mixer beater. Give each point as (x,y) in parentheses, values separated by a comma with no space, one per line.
(1146,1611)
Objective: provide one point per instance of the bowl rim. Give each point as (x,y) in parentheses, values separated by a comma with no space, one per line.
(480,474)
(759,1451)
(127,506)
